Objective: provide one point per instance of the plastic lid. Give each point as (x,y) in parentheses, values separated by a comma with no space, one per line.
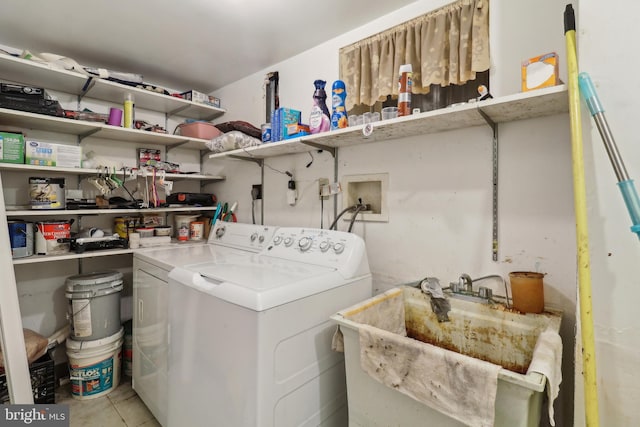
(87,345)
(91,279)
(406,68)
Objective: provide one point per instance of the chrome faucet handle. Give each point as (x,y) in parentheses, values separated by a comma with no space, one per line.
(466,283)
(484,292)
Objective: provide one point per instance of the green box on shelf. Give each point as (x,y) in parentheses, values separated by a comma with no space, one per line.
(11,148)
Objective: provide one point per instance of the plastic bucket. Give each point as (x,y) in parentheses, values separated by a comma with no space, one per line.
(94,366)
(527,291)
(94,304)
(21,238)
(47,233)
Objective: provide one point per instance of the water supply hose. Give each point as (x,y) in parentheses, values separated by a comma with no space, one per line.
(626,185)
(582,234)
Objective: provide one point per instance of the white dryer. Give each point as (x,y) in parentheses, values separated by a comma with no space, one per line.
(251,338)
(151,269)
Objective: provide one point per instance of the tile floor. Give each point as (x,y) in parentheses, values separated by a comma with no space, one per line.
(120,408)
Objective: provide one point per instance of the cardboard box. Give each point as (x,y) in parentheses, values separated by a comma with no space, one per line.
(213,101)
(148,155)
(297,129)
(283,118)
(11,148)
(48,154)
(195,96)
(540,71)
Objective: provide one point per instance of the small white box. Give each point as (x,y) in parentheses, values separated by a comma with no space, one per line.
(49,154)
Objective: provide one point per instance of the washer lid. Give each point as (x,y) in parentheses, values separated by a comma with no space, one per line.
(257,283)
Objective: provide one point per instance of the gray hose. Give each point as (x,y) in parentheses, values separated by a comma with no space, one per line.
(355,214)
(334,224)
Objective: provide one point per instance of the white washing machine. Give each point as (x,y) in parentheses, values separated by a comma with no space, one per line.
(251,338)
(151,269)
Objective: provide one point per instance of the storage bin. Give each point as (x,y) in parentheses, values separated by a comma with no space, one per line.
(42,381)
(201,130)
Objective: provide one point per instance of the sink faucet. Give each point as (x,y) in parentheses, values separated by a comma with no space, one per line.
(464,288)
(466,283)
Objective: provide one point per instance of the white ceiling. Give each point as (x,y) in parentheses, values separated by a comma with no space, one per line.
(182,44)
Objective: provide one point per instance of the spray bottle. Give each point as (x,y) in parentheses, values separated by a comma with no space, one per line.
(339,118)
(405,84)
(319,119)
(129,117)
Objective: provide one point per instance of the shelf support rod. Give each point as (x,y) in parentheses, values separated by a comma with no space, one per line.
(11,337)
(88,134)
(335,179)
(88,85)
(177,110)
(176,145)
(494,156)
(260,162)
(331,150)
(262,200)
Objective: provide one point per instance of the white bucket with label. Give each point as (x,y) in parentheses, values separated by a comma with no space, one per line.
(94,304)
(94,366)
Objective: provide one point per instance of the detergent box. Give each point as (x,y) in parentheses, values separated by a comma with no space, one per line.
(11,148)
(540,71)
(48,154)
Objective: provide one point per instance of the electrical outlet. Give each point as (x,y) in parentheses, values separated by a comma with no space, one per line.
(323,182)
(256,192)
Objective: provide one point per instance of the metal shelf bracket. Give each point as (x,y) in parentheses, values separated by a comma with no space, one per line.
(331,150)
(494,157)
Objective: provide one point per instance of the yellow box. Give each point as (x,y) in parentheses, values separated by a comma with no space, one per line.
(540,71)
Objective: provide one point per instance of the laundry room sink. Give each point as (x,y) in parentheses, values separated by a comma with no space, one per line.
(490,333)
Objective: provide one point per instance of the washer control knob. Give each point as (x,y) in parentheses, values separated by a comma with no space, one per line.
(261,238)
(324,246)
(305,243)
(338,247)
(254,236)
(288,241)
(277,240)
(220,232)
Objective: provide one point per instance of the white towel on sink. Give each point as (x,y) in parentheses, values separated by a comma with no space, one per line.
(547,360)
(456,385)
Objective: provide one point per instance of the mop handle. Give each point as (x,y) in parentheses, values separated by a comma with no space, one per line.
(593,102)
(627,188)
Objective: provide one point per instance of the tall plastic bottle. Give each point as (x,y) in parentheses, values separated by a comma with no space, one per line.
(405,84)
(339,118)
(319,119)
(129,114)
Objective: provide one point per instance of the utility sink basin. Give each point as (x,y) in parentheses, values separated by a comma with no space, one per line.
(492,333)
(488,332)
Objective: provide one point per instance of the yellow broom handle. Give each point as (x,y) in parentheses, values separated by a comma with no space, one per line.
(582,233)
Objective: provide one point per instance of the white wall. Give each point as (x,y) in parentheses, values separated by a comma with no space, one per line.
(604,52)
(439,185)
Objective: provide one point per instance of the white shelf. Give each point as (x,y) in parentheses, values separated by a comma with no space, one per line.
(34,259)
(72,212)
(539,103)
(83,129)
(85,171)
(71,255)
(41,75)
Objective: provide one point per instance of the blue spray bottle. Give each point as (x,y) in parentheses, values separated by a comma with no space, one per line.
(339,118)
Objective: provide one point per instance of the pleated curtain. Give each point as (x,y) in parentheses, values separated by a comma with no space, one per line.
(445,46)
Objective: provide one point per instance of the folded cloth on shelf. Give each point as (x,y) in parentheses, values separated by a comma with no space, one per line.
(456,385)
(547,360)
(231,141)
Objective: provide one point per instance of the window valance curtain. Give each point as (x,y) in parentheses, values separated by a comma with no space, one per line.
(446,46)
